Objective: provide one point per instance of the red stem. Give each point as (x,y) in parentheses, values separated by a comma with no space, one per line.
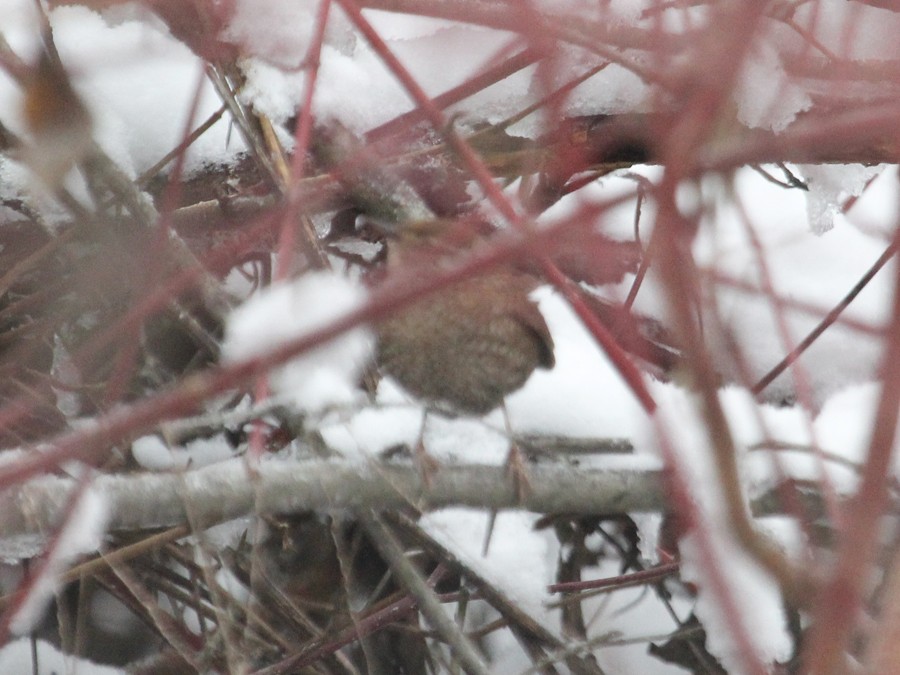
(839,601)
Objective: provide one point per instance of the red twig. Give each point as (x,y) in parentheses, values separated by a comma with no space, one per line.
(839,603)
(651,575)
(827,321)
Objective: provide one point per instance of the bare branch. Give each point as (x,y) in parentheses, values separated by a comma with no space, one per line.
(224,491)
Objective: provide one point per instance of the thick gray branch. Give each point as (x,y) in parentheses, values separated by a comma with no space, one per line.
(220,492)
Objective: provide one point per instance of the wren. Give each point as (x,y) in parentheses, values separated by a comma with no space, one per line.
(464,348)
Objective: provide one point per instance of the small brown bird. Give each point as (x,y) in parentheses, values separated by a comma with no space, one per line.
(463,349)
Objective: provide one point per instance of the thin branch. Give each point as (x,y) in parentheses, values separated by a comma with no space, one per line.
(412,580)
(827,321)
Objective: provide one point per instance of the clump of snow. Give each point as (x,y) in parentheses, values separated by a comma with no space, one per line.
(82,533)
(830,185)
(467,440)
(352,74)
(374,430)
(280,33)
(349,95)
(270,90)
(764,94)
(520,561)
(285,312)
(152,453)
(356,87)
